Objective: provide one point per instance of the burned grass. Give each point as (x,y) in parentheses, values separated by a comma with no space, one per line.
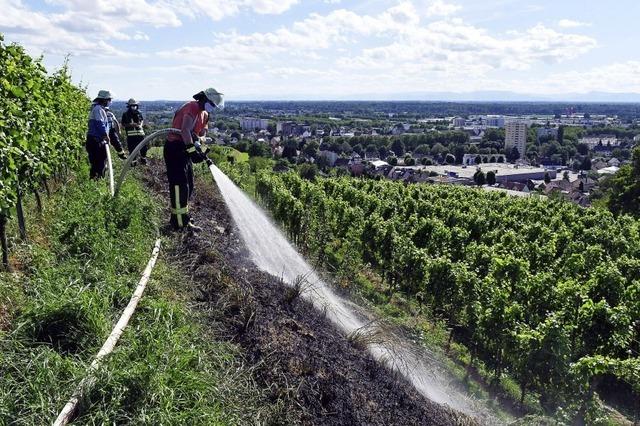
(310,371)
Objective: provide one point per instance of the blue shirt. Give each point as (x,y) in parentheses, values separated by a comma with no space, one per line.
(98,122)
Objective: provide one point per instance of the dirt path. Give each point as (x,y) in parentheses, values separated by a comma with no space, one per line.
(307,367)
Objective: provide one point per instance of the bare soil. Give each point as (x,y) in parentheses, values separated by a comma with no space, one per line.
(301,360)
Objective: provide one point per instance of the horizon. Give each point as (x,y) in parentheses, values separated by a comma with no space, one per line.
(461,101)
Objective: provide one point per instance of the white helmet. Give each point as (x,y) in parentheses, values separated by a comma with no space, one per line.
(215,97)
(132,102)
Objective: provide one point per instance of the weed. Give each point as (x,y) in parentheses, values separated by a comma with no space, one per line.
(297,288)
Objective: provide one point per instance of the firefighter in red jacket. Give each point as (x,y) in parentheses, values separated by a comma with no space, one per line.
(182,149)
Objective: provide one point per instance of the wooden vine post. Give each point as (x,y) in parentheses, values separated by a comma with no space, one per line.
(3,242)
(20,212)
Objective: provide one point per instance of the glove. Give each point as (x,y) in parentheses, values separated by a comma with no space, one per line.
(195,154)
(197,157)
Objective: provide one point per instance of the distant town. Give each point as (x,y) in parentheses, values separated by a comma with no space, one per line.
(523,149)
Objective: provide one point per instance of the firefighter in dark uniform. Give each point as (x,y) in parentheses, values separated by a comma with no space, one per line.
(132,122)
(98,134)
(182,149)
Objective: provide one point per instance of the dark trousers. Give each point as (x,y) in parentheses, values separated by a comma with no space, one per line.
(115,140)
(132,143)
(97,156)
(180,176)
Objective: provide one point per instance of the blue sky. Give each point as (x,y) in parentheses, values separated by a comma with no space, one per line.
(333,49)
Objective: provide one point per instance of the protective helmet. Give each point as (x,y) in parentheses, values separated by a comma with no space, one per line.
(104,94)
(132,102)
(214,97)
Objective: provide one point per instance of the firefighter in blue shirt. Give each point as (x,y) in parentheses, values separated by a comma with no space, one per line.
(98,134)
(132,121)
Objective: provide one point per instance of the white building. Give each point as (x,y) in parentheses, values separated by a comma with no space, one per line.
(494,121)
(250,123)
(593,142)
(545,132)
(516,136)
(459,122)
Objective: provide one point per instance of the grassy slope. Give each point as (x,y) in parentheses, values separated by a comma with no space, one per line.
(74,276)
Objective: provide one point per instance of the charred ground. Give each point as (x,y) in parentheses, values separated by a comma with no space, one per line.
(308,368)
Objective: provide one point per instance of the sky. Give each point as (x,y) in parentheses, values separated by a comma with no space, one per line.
(333,49)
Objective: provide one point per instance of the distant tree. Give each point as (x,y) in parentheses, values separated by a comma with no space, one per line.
(426,161)
(311,149)
(422,149)
(336,147)
(479,178)
(565,175)
(513,154)
(392,161)
(622,190)
(438,149)
(397,146)
(308,171)
(458,152)
(357,148)
(583,149)
(409,161)
(242,146)
(371,151)
(493,135)
(450,159)
(383,152)
(290,149)
(561,135)
(322,162)
(501,159)
(586,164)
(491,177)
(346,148)
(281,166)
(473,149)
(478,159)
(258,149)
(547,177)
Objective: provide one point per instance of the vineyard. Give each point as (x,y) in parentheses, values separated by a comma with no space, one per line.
(543,291)
(42,126)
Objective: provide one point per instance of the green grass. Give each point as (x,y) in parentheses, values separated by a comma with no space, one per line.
(72,279)
(226,151)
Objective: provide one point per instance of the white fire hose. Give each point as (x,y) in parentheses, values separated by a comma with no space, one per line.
(110,165)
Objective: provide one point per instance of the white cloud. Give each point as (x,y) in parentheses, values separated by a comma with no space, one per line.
(440,8)
(220,9)
(568,23)
(406,51)
(619,77)
(82,28)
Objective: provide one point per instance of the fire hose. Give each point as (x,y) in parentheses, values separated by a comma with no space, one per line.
(146,141)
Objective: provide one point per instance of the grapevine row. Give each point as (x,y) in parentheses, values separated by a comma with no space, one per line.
(42,125)
(542,290)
